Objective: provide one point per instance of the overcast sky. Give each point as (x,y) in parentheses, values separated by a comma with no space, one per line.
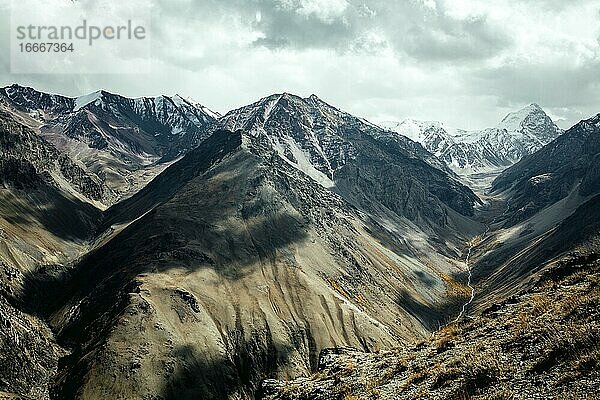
(464,62)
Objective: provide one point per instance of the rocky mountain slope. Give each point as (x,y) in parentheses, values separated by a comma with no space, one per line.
(549,202)
(46,220)
(466,152)
(302,229)
(569,164)
(330,146)
(532,330)
(26,159)
(238,290)
(286,265)
(123,141)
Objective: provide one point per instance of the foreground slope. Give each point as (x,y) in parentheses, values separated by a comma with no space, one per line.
(541,343)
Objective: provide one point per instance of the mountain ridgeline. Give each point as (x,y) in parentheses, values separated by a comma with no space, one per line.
(123,142)
(152,248)
(518,134)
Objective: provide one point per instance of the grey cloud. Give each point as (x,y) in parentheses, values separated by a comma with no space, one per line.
(410,28)
(287,28)
(570,90)
(554,85)
(387,57)
(555,5)
(467,39)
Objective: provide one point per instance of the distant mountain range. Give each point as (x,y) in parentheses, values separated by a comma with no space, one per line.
(151,248)
(518,134)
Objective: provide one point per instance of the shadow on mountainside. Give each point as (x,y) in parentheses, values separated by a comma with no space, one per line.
(192,374)
(240,373)
(66,218)
(228,222)
(432,316)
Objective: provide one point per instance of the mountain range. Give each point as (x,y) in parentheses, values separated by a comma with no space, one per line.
(123,143)
(518,134)
(151,248)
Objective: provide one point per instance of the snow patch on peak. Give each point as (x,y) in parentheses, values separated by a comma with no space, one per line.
(270,106)
(302,161)
(83,101)
(410,128)
(187,102)
(417,130)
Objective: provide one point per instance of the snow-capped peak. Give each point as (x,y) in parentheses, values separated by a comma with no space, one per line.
(518,134)
(413,129)
(514,120)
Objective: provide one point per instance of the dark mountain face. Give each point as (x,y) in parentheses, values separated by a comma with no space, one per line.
(319,128)
(165,127)
(543,178)
(338,149)
(31,101)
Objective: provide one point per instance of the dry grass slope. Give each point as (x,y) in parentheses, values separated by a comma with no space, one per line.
(542,343)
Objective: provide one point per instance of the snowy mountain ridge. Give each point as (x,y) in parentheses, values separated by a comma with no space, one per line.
(124,141)
(492,149)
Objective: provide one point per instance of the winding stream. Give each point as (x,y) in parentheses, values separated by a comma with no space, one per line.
(464,307)
(472,244)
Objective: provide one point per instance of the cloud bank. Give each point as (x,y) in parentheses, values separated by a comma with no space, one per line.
(462,62)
